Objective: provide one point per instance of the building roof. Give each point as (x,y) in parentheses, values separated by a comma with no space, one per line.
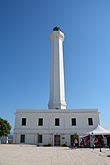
(56,110)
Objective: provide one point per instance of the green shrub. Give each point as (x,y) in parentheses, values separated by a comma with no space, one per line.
(64,145)
(47,145)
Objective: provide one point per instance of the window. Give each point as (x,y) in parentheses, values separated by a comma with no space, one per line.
(73,120)
(24,121)
(90,121)
(39,138)
(40,122)
(22,140)
(57,122)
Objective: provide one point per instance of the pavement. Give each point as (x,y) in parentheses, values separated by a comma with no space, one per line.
(11,154)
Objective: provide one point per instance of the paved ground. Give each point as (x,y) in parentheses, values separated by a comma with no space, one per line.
(32,155)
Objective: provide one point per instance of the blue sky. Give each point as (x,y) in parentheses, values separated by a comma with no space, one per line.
(25,26)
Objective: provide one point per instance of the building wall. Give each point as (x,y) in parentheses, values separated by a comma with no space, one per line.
(48,130)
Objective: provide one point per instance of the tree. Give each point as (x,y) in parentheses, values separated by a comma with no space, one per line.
(5,127)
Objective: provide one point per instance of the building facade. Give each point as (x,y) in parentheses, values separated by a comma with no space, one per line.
(56,125)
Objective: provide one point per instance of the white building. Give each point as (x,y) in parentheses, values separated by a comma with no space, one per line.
(57,125)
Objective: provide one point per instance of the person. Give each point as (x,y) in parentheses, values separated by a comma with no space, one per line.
(76,143)
(82,143)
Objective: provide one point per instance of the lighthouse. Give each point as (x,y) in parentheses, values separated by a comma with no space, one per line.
(57,90)
(57,124)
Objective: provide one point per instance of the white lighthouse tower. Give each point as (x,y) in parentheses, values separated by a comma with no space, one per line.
(56,125)
(57,91)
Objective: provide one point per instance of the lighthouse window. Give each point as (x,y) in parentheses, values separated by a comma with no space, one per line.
(90,121)
(40,122)
(57,122)
(73,121)
(24,121)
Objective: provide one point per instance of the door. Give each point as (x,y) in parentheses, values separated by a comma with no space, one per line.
(56,140)
(71,140)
